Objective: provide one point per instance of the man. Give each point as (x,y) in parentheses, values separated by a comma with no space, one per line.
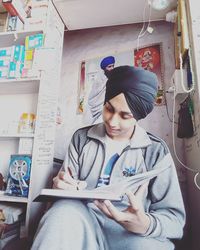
(105,154)
(97,94)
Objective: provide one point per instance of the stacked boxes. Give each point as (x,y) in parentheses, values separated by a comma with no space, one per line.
(17,61)
(11,61)
(5,56)
(31,43)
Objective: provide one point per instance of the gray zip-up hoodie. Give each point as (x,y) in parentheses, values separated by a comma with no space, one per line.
(163,203)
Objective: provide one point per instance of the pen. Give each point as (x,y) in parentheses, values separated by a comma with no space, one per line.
(70,172)
(78,182)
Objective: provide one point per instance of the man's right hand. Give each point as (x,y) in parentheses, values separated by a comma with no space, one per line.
(65,181)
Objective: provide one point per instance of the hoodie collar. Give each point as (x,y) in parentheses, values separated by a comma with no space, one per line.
(139,139)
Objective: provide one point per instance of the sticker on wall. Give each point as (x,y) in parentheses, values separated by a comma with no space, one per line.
(82,88)
(150,58)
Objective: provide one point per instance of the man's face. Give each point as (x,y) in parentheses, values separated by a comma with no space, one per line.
(108,69)
(118,119)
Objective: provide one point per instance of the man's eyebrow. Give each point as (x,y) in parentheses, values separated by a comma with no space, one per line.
(110,104)
(123,112)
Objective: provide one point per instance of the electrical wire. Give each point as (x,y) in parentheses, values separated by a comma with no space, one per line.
(195,180)
(167,109)
(142,31)
(174,146)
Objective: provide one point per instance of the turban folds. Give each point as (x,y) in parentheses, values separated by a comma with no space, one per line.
(139,87)
(107,61)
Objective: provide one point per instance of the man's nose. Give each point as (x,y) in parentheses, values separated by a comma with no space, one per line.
(114,120)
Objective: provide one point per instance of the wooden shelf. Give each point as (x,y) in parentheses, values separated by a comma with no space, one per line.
(19,86)
(16,37)
(8,198)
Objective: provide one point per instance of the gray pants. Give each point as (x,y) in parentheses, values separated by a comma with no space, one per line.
(75,225)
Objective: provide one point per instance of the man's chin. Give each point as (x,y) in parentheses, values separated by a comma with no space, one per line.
(112,132)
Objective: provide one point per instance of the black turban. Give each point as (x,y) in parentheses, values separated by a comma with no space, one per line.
(139,87)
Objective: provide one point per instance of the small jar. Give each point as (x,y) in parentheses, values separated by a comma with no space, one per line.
(27,123)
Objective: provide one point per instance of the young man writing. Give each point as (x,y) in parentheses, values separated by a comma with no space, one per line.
(104,154)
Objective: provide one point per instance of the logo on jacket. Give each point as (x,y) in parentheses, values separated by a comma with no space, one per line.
(129,171)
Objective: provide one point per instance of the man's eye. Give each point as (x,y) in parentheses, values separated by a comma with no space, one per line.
(126,117)
(110,109)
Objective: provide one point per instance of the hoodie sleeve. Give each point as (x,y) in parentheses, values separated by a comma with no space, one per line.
(166,212)
(72,156)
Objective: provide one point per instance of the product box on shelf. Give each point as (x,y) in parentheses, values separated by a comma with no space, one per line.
(6,51)
(15,8)
(19,53)
(3,72)
(27,123)
(14,24)
(4,61)
(15,69)
(19,175)
(34,41)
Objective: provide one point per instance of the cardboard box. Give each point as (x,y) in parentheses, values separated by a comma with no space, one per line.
(6,51)
(34,41)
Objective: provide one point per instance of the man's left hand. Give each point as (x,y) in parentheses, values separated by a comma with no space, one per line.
(133,218)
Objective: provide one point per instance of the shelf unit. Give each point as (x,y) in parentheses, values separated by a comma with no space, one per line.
(19,86)
(15,199)
(16,37)
(7,136)
(37,95)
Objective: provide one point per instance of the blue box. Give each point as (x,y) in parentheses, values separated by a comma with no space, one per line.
(19,53)
(34,41)
(19,175)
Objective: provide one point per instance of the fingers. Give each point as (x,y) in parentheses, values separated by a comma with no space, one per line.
(64,181)
(101,205)
(110,210)
(60,184)
(133,200)
(66,177)
(81,185)
(136,199)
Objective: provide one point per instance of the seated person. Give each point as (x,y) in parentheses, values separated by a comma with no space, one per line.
(104,154)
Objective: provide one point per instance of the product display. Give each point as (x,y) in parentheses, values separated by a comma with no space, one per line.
(19,175)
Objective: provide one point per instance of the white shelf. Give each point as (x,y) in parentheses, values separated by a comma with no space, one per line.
(16,37)
(19,86)
(8,198)
(2,136)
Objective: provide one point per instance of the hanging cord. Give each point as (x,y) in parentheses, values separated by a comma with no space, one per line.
(142,31)
(167,109)
(174,146)
(195,180)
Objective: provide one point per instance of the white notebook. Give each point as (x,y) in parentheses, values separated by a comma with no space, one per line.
(95,194)
(113,192)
